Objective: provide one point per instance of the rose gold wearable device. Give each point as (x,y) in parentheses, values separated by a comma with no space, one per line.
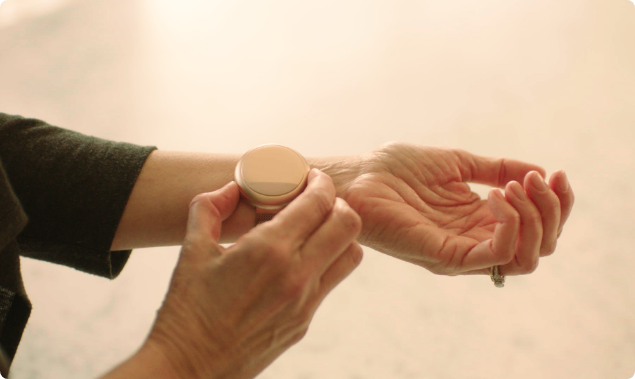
(270,176)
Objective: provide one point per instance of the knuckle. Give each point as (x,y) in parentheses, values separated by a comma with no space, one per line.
(303,332)
(532,266)
(355,254)
(390,145)
(534,219)
(257,252)
(194,243)
(462,156)
(435,270)
(348,216)
(292,291)
(457,151)
(272,253)
(203,201)
(327,177)
(305,316)
(273,240)
(509,256)
(298,336)
(293,287)
(277,254)
(359,252)
(515,219)
(554,203)
(323,200)
(196,200)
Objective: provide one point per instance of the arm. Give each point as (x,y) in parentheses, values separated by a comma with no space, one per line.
(4,363)
(239,335)
(157,210)
(148,362)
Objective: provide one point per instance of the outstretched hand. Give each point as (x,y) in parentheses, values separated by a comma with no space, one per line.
(416,205)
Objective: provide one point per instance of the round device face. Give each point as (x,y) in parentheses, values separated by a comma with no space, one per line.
(271,175)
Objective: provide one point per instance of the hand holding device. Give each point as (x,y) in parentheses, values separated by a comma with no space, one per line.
(230,312)
(269,177)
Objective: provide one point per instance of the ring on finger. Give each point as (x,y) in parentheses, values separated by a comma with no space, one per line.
(499,280)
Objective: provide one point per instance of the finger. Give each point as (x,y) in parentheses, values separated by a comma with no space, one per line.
(495,172)
(298,220)
(560,185)
(340,269)
(341,227)
(549,206)
(500,249)
(530,233)
(207,213)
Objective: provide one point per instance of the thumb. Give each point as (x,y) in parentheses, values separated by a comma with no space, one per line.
(207,213)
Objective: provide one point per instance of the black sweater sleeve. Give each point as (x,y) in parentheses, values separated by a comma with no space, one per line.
(73,189)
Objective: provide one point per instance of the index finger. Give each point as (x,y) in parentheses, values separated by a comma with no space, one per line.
(307,212)
(495,172)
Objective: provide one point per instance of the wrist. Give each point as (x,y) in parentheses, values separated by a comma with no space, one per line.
(191,359)
(169,367)
(342,169)
(148,362)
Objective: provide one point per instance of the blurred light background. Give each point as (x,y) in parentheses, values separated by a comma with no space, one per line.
(548,82)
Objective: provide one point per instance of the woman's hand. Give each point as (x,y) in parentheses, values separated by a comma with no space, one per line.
(416,205)
(230,312)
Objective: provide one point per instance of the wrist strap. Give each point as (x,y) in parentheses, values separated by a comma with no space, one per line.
(263,215)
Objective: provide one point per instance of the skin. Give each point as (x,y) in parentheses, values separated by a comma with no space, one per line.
(409,201)
(416,205)
(230,312)
(414,201)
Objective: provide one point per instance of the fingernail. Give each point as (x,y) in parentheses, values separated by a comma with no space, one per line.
(564,182)
(499,194)
(538,183)
(518,190)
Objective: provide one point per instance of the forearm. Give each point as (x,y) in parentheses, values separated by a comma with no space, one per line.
(157,210)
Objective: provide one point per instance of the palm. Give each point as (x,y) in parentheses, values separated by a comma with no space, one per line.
(415,205)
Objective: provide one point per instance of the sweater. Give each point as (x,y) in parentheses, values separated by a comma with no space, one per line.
(62,195)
